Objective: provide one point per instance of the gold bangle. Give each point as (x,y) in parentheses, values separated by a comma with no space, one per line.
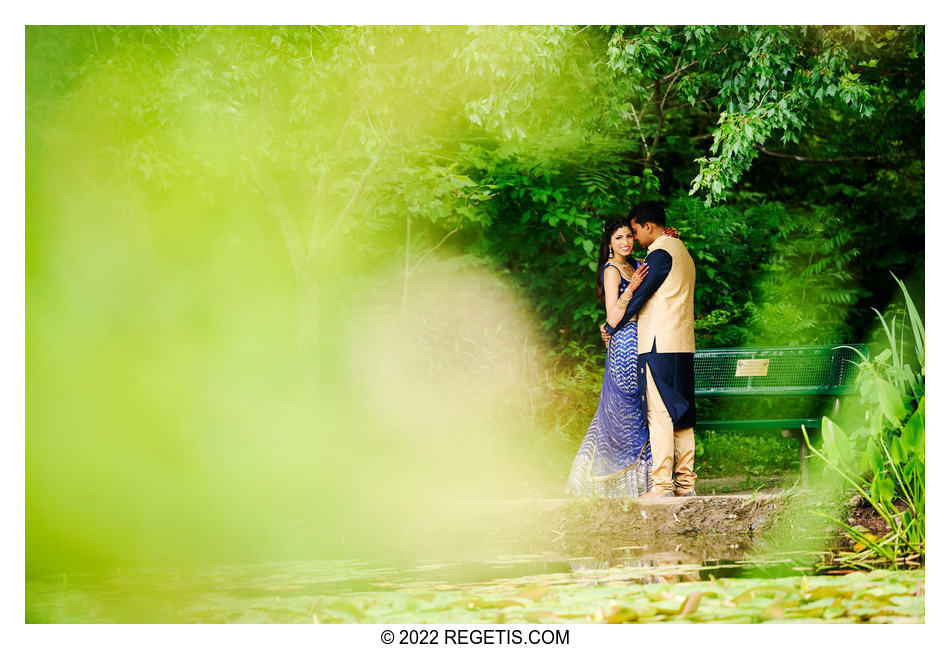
(622,302)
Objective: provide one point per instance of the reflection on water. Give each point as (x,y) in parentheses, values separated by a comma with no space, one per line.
(671,568)
(233,593)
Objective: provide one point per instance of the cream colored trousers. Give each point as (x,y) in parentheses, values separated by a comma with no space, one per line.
(673,450)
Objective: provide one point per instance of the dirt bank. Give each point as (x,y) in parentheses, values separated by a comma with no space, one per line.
(680,516)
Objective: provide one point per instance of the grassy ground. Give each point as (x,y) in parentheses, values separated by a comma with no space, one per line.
(754,454)
(744,484)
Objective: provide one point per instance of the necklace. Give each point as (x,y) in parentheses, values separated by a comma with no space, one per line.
(625,268)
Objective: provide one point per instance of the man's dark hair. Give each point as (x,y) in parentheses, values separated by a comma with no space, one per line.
(649,212)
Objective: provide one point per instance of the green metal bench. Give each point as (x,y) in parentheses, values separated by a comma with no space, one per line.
(828,371)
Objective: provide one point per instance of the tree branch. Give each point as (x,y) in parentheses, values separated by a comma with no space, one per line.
(320,191)
(646,147)
(433,249)
(660,115)
(678,70)
(859,158)
(669,86)
(285,220)
(341,217)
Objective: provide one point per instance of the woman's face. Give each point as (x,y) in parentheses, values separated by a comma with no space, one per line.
(621,242)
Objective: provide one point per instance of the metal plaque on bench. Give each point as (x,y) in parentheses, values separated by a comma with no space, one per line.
(752,367)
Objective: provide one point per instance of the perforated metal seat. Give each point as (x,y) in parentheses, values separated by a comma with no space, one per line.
(820,370)
(825,370)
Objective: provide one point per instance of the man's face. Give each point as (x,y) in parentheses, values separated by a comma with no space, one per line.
(641,233)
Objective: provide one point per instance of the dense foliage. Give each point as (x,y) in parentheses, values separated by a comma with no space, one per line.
(808,139)
(791,157)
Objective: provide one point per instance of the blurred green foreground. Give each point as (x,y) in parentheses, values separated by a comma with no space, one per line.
(224,361)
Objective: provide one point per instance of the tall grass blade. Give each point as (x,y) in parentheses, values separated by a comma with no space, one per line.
(917,325)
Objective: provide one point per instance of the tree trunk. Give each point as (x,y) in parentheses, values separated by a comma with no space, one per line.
(308,326)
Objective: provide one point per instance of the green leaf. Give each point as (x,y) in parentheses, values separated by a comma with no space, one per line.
(835,441)
(891,403)
(873,458)
(897,451)
(882,488)
(917,325)
(912,438)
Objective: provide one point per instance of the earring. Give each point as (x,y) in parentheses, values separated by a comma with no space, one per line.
(611,255)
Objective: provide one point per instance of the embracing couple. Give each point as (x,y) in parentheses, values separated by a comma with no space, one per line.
(640,442)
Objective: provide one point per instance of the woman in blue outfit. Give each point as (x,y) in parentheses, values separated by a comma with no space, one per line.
(614,459)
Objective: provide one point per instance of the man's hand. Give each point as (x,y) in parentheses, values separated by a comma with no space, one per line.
(635,282)
(604,335)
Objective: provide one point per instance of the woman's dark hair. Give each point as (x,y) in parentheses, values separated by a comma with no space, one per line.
(610,227)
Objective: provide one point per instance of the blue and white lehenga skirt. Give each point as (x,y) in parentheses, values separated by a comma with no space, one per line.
(614,459)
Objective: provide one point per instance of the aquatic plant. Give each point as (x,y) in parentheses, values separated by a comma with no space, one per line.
(348,592)
(889,471)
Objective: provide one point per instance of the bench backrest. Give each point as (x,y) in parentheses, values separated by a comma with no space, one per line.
(818,370)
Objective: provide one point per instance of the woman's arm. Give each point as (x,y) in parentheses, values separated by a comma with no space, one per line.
(614,301)
(660,264)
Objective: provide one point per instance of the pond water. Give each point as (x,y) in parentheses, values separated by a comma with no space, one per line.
(512,561)
(586,579)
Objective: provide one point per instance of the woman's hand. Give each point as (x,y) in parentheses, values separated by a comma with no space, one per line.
(672,232)
(635,281)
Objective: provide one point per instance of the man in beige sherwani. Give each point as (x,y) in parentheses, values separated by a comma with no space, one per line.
(665,347)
